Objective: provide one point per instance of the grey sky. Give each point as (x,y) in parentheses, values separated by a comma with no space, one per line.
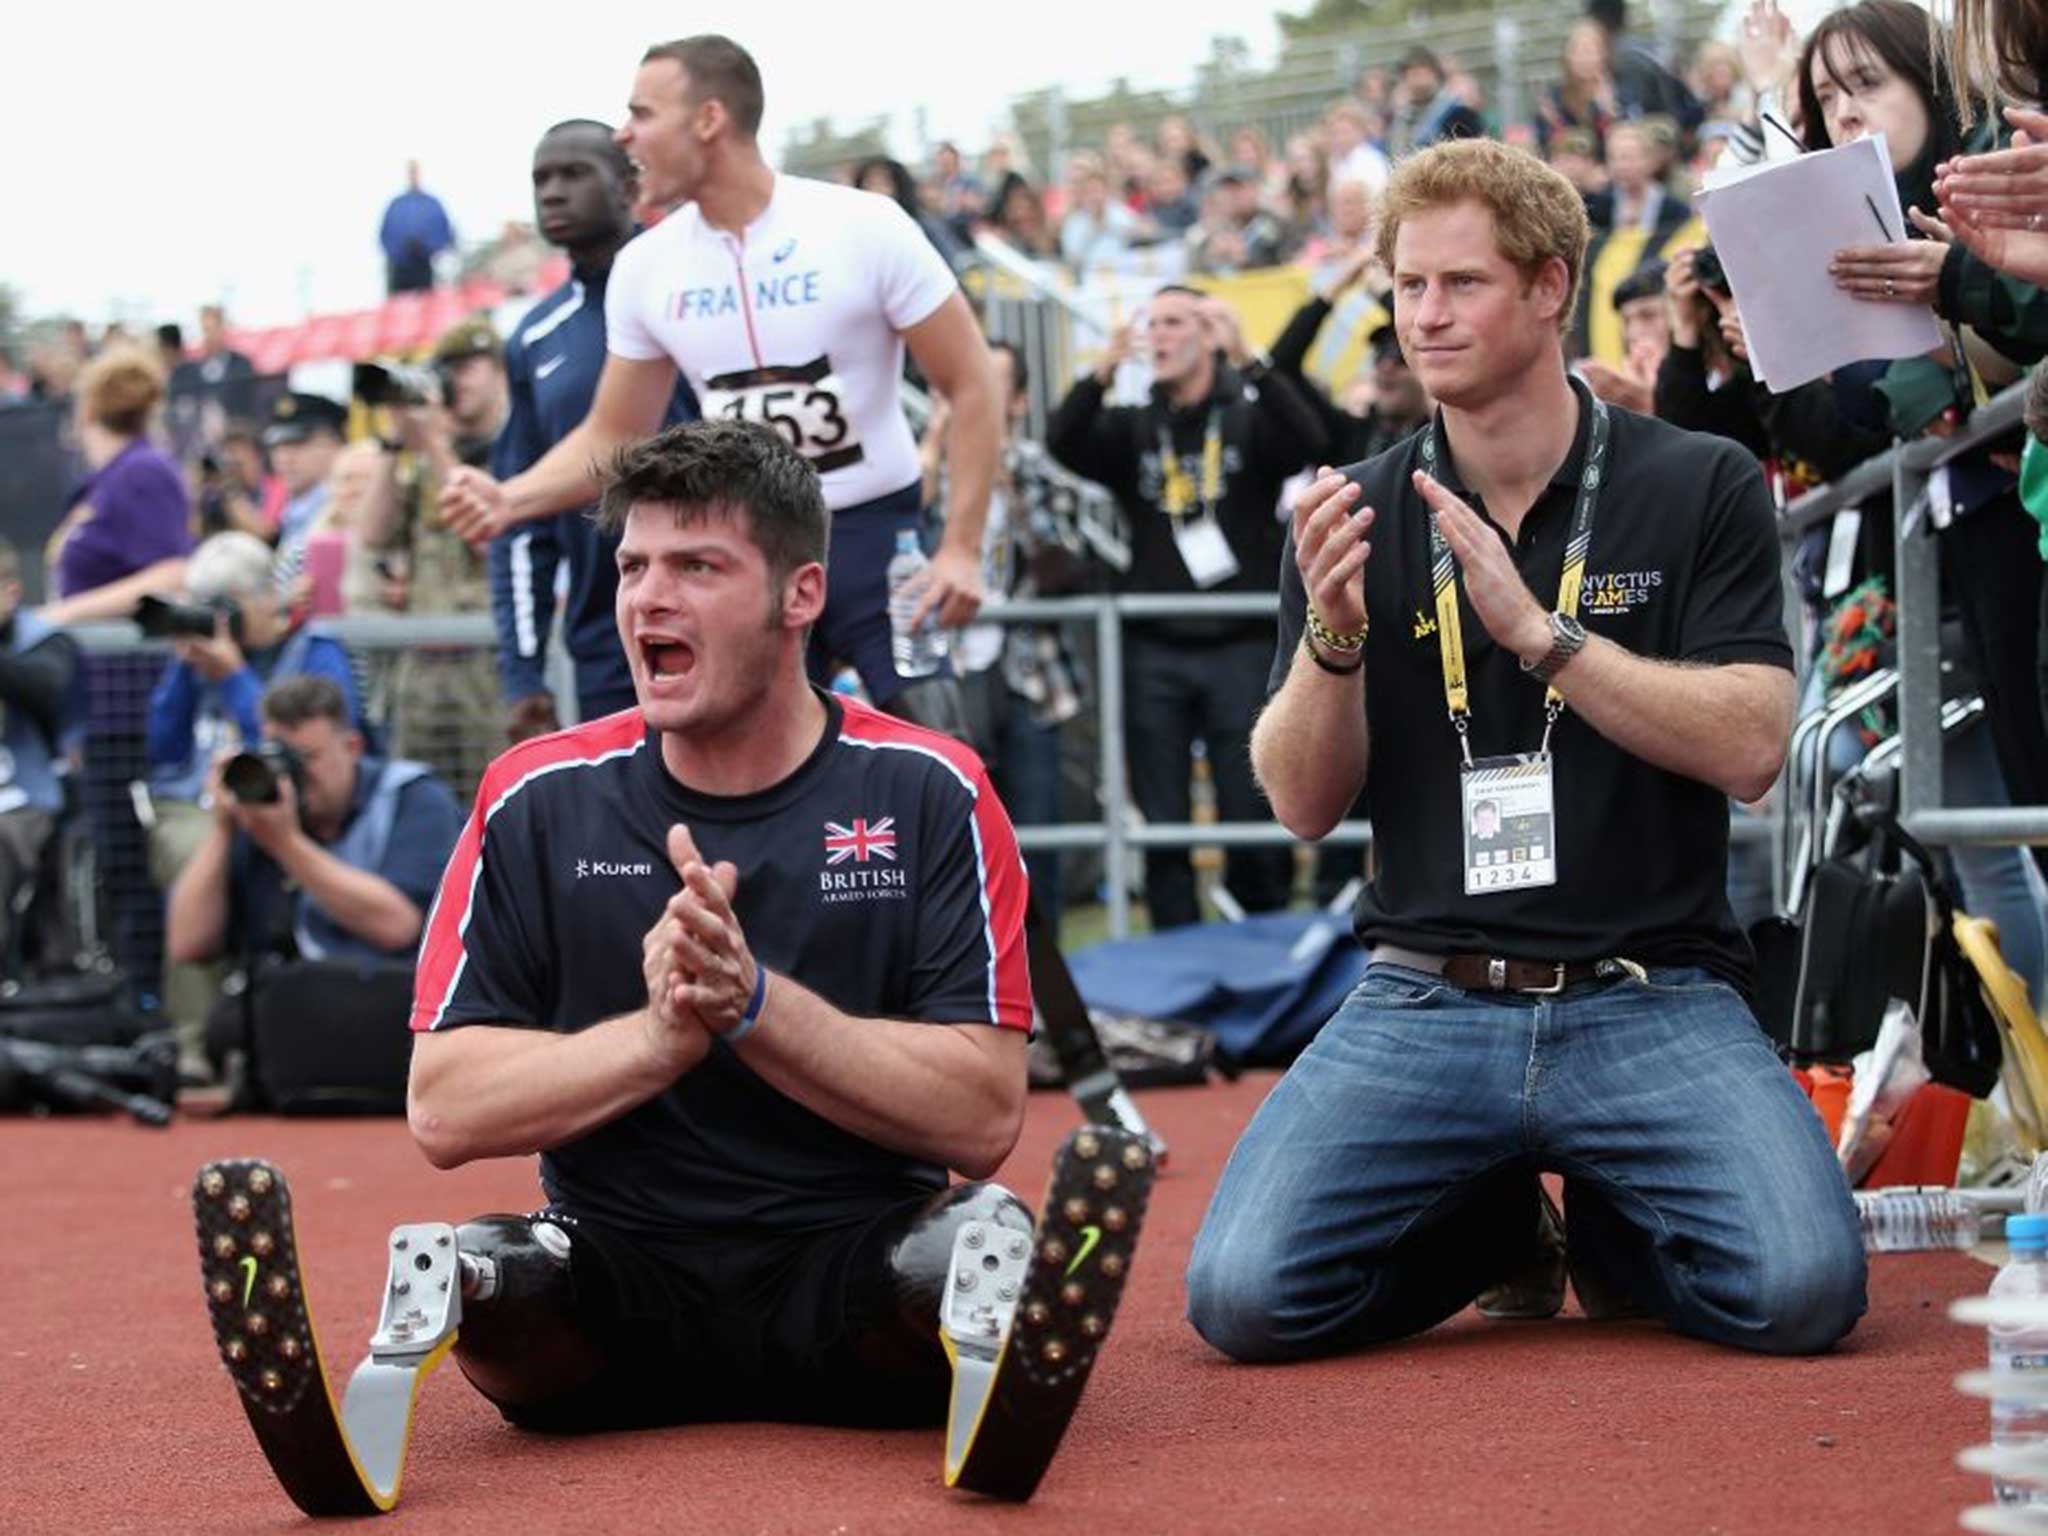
(245,151)
(167,155)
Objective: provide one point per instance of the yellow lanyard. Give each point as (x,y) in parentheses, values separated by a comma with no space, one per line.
(1443,573)
(1176,488)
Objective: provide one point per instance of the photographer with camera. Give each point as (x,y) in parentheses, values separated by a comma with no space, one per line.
(316,870)
(445,698)
(230,639)
(237,491)
(1704,384)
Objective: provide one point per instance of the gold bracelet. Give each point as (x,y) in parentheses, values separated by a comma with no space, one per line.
(1348,669)
(1329,639)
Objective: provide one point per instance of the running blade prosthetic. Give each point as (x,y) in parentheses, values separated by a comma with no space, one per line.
(1024,1319)
(332,1462)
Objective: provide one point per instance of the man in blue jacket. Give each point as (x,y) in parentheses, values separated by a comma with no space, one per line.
(208,702)
(414,230)
(583,193)
(316,852)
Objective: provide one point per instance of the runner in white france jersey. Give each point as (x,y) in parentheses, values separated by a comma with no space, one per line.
(789,303)
(794,322)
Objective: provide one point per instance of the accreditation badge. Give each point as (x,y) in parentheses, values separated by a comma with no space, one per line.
(1204,550)
(1510,823)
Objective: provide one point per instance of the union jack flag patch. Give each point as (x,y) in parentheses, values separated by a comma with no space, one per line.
(861,841)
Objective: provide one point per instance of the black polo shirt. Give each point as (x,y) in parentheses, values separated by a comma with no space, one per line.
(1684,566)
(882,874)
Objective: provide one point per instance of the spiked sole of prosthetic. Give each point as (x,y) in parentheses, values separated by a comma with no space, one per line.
(345,1459)
(1016,1384)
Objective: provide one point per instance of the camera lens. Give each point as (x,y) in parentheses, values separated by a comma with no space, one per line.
(249,779)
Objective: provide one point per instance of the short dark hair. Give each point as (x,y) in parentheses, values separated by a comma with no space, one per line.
(1646,282)
(613,153)
(297,701)
(1181,288)
(707,468)
(720,70)
(1422,57)
(902,185)
(1020,371)
(171,334)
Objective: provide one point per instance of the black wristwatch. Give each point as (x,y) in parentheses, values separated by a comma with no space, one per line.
(1567,639)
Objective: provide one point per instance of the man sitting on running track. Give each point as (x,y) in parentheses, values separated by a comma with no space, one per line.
(744,1140)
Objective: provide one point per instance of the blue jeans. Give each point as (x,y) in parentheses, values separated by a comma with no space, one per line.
(1373,1194)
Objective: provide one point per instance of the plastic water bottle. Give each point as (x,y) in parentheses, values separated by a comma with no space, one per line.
(1895,1220)
(2015,1421)
(919,649)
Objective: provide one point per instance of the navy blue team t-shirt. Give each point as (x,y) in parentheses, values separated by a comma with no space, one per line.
(882,874)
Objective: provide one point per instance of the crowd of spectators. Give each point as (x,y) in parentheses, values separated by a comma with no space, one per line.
(1194,202)
(291,519)
(1658,331)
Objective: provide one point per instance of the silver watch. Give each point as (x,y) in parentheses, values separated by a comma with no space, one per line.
(1567,639)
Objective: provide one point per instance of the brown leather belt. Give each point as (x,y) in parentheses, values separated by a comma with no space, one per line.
(1498,973)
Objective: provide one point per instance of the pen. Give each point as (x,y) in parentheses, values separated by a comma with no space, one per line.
(1882,228)
(1770,121)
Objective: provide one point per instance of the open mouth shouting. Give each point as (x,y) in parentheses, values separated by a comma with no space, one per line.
(665,660)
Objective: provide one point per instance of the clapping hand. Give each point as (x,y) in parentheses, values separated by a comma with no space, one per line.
(1330,549)
(1996,205)
(714,971)
(1500,598)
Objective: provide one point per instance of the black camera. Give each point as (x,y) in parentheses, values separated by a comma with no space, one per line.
(1706,266)
(251,776)
(391,382)
(161,619)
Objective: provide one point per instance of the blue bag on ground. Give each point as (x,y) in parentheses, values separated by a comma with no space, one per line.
(1263,986)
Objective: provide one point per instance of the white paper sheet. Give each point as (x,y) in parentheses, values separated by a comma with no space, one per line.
(1775,228)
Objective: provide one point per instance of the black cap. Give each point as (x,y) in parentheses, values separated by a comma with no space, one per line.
(1646,282)
(296,417)
(1384,338)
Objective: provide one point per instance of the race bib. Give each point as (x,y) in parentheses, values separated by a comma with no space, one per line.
(1204,550)
(806,404)
(1510,826)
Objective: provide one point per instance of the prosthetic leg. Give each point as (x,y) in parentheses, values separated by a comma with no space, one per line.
(1022,1313)
(1024,1318)
(348,1458)
(934,702)
(332,1460)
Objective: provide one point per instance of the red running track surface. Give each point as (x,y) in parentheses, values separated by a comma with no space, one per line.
(116,1417)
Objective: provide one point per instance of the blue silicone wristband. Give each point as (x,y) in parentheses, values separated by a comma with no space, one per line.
(752,1016)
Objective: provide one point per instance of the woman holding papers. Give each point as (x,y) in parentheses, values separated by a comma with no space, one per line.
(1877,67)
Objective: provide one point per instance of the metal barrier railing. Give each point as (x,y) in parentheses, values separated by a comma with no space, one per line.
(1905,472)
(1121,843)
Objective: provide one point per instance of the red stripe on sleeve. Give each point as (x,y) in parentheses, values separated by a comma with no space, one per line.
(442,949)
(1005,889)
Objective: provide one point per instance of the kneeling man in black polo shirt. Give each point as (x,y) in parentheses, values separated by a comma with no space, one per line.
(1544,637)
